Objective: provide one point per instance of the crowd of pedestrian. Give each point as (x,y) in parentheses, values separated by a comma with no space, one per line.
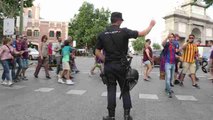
(14,54)
(172,56)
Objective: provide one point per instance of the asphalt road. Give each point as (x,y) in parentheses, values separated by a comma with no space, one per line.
(42,99)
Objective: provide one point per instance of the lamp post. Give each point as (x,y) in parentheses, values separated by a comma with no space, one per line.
(21,18)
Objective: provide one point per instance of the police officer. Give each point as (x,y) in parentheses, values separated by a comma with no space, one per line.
(114,40)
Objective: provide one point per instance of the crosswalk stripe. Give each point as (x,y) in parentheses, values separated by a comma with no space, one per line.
(104,94)
(76,92)
(148,96)
(186,97)
(44,89)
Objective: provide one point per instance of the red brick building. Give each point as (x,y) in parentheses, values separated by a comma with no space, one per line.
(36,27)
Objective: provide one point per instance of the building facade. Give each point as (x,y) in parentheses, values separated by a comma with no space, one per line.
(36,27)
(189,18)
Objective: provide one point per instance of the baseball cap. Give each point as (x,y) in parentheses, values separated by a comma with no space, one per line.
(117,15)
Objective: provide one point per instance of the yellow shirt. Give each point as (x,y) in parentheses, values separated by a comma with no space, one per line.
(190,53)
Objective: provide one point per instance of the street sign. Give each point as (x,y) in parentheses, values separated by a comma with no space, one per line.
(8,26)
(74,43)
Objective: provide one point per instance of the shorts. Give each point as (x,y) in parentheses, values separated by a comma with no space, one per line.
(25,63)
(189,66)
(146,62)
(66,65)
(98,65)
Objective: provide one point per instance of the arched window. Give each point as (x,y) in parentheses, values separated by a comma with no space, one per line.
(36,33)
(58,34)
(29,14)
(29,32)
(51,34)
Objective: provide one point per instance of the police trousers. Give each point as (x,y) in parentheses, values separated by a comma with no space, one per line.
(115,73)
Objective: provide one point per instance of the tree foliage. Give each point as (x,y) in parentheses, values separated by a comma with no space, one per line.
(156,46)
(86,25)
(10,9)
(208,2)
(138,44)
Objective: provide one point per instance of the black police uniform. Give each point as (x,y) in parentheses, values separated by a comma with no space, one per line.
(114,40)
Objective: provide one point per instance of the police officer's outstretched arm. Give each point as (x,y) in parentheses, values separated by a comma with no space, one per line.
(147,30)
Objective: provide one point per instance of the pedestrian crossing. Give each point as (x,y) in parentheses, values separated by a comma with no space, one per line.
(78,92)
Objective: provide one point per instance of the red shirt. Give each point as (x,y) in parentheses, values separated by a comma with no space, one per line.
(50,51)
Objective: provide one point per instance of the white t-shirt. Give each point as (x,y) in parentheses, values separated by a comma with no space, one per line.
(58,48)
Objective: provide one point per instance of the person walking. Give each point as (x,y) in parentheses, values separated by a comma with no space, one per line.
(18,58)
(7,60)
(58,54)
(177,61)
(98,64)
(25,57)
(190,52)
(114,40)
(66,52)
(43,58)
(170,49)
(50,53)
(147,59)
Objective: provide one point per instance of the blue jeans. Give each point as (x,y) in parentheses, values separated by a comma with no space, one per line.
(169,70)
(6,69)
(20,66)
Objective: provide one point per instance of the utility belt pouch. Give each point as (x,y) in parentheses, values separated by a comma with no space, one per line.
(124,61)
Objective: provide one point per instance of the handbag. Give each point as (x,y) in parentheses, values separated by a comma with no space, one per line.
(11,60)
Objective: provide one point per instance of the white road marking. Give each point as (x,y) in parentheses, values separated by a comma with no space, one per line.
(44,89)
(186,97)
(76,92)
(104,94)
(148,96)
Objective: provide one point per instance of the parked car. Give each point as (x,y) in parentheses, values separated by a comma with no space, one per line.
(33,54)
(156,57)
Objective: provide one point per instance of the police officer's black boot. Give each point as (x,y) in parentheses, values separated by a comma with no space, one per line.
(111,115)
(127,115)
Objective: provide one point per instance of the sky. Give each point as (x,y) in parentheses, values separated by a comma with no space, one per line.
(136,13)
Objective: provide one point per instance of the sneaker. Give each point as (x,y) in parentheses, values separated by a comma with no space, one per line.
(10,83)
(60,81)
(69,82)
(170,94)
(77,71)
(48,77)
(181,83)
(176,82)
(36,76)
(4,82)
(24,78)
(171,85)
(91,74)
(197,79)
(196,86)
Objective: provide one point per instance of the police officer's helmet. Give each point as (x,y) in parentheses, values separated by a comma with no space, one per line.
(132,78)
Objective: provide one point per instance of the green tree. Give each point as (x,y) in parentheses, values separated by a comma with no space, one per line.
(208,2)
(86,25)
(138,44)
(10,9)
(156,46)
